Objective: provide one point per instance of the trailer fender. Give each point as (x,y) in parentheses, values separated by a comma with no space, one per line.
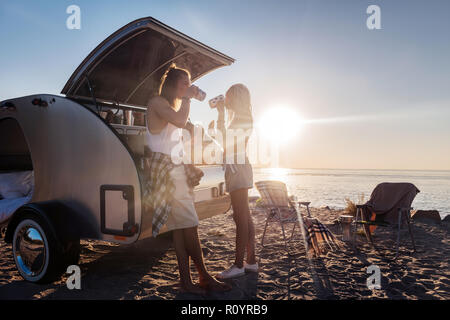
(61,218)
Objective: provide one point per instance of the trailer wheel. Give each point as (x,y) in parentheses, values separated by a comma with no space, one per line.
(35,250)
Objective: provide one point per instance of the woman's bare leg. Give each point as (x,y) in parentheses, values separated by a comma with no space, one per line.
(251,258)
(193,247)
(183,263)
(241,215)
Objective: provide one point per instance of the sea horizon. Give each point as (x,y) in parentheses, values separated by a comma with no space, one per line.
(330,187)
(255,166)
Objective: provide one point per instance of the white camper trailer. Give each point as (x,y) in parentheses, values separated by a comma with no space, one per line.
(66,173)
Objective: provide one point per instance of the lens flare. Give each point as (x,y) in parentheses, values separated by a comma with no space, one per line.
(280,124)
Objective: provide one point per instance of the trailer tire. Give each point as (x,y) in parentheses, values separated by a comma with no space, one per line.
(36,250)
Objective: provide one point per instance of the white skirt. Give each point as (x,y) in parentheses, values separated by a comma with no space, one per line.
(183,214)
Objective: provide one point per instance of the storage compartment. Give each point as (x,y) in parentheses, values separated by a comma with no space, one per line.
(117,210)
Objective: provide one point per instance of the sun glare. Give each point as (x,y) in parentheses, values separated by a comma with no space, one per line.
(280,124)
(279,174)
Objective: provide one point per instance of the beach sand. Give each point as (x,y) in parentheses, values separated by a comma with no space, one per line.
(148,268)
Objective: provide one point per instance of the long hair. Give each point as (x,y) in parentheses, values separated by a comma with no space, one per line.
(169,81)
(242,106)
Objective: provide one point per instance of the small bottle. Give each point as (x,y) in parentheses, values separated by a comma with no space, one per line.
(200,95)
(213,102)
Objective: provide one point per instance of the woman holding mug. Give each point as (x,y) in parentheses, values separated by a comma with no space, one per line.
(238,175)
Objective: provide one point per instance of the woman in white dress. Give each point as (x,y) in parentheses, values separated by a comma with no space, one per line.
(166,117)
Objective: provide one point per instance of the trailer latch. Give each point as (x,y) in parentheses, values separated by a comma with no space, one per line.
(130,229)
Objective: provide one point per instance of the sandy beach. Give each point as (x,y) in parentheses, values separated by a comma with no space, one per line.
(148,269)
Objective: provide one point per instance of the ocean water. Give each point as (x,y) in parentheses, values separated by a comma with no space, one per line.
(330,187)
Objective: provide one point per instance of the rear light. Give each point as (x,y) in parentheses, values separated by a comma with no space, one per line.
(39,102)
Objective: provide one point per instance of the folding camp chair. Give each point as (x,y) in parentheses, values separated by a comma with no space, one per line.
(390,205)
(280,208)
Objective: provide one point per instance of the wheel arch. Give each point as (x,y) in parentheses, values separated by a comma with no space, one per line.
(63,221)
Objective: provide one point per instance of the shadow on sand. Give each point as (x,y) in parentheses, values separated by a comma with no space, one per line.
(114,275)
(136,271)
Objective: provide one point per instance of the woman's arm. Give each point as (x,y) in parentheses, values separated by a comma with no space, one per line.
(221,126)
(221,119)
(166,112)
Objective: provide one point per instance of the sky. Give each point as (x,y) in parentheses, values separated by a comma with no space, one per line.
(369,99)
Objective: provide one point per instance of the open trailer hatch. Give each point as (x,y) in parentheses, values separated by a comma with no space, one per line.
(126,68)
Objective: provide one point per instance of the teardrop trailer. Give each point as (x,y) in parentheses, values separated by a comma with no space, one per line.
(87,177)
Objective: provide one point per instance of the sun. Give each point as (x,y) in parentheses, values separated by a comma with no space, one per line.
(280,124)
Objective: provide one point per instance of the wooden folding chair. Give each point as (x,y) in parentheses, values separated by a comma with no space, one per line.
(280,209)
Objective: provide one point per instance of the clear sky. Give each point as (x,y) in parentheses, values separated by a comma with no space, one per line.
(376,99)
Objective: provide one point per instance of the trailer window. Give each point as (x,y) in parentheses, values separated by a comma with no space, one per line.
(14,152)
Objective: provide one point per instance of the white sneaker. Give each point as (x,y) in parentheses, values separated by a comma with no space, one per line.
(232,272)
(251,267)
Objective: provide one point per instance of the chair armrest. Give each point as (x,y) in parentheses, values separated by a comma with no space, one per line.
(304,203)
(361,206)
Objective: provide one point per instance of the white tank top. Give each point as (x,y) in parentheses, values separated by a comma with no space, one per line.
(168,141)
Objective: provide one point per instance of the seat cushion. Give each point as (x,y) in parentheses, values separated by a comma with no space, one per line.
(16,184)
(9,206)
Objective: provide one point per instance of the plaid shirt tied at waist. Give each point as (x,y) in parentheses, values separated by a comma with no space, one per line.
(159,186)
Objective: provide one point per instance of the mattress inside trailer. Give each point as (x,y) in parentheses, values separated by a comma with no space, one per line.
(9,206)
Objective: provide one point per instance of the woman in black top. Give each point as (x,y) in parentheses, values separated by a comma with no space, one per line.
(238,174)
